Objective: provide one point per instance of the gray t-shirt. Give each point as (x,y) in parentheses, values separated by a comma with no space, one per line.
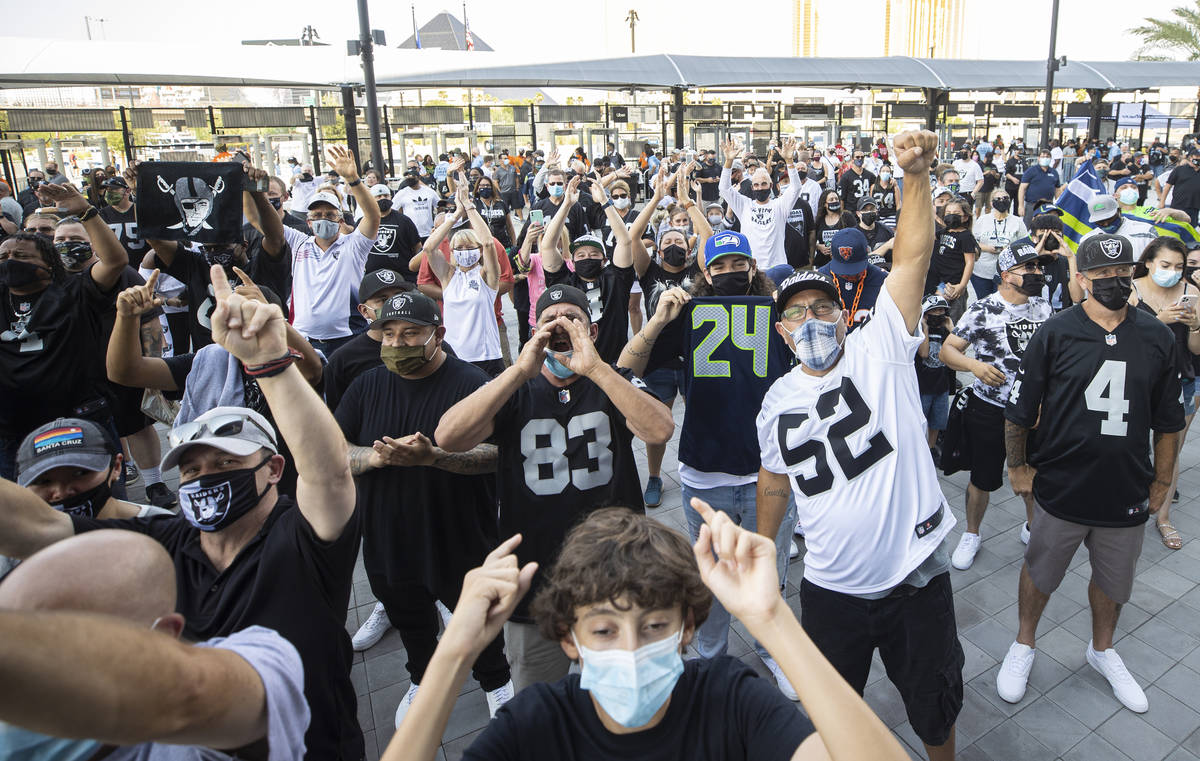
(278,665)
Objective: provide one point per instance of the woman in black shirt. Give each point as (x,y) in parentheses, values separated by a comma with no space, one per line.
(954,253)
(494,211)
(831,217)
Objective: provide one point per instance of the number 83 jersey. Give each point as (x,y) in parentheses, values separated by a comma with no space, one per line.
(853,445)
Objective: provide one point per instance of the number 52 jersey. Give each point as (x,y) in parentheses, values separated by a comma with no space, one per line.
(853,445)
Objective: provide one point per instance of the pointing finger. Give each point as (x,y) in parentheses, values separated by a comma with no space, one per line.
(152,281)
(243,277)
(504,548)
(220,283)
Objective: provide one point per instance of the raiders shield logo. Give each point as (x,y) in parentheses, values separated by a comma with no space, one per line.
(400,301)
(208,504)
(845,252)
(386,276)
(556,295)
(1019,333)
(385,238)
(1111,247)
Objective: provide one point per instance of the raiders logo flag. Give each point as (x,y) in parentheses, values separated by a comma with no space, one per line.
(190,200)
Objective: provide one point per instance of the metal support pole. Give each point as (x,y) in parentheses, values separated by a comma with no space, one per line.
(105,154)
(532,126)
(677,114)
(1051,67)
(127,137)
(1141,127)
(887,116)
(1062,120)
(1097,109)
(41,153)
(932,106)
(351,122)
(391,165)
(662,119)
(470,116)
(987,119)
(607,118)
(212,121)
(312,133)
(366,45)
(837,133)
(778,122)
(1195,122)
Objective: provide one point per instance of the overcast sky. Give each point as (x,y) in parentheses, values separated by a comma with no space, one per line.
(1008,29)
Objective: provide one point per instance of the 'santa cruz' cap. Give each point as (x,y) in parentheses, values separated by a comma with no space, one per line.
(66,442)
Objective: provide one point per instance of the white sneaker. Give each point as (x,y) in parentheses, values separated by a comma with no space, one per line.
(499,697)
(1112,668)
(406,703)
(964,554)
(793,551)
(445,613)
(372,630)
(799,530)
(1014,672)
(781,680)
(1024,533)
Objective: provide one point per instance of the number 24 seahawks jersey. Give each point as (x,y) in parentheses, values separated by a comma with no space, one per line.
(853,445)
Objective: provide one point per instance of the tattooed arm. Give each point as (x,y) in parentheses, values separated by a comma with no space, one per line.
(771,500)
(482,459)
(152,338)
(416,450)
(362,459)
(1020,473)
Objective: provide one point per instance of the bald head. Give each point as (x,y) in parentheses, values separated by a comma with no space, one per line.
(119,573)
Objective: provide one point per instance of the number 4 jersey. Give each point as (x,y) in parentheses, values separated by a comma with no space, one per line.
(1099,395)
(564,452)
(853,445)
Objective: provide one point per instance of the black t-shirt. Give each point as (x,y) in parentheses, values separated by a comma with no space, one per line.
(666,351)
(825,232)
(949,256)
(286,579)
(125,227)
(396,243)
(606,233)
(564,452)
(1058,278)
(876,237)
(719,710)
(709,191)
(933,376)
(347,363)
(191,268)
(496,216)
(1013,167)
(991,179)
(420,524)
(1185,188)
(576,224)
(885,201)
(854,187)
(52,348)
(795,234)
(609,298)
(1099,395)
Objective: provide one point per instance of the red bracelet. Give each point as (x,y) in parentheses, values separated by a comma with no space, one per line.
(272,368)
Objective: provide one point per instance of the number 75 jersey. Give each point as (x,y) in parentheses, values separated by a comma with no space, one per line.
(853,445)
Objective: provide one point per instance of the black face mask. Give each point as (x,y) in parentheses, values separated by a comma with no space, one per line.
(385,205)
(216,500)
(1032,283)
(953,220)
(802,175)
(484,192)
(221,257)
(674,255)
(89,503)
(74,253)
(306,177)
(589,269)
(1051,243)
(833,207)
(1002,205)
(18,273)
(735,283)
(868,218)
(762,194)
(1112,292)
(276,203)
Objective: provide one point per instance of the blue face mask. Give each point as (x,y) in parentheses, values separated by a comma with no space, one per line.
(325,229)
(561,371)
(556,191)
(17,744)
(631,685)
(817,345)
(1166,278)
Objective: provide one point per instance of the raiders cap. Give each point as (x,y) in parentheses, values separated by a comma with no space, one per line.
(380,190)
(806,280)
(410,306)
(587,239)
(378,280)
(563,294)
(1103,250)
(932,302)
(66,442)
(1019,252)
(325,196)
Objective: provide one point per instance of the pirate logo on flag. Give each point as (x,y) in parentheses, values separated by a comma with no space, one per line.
(198,201)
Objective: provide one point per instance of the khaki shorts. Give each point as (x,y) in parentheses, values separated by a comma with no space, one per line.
(1112,552)
(531,657)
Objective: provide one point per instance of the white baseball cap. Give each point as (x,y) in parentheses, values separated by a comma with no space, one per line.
(380,190)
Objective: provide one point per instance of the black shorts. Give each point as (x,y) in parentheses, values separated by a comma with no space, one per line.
(127,414)
(917,638)
(985,443)
(514,199)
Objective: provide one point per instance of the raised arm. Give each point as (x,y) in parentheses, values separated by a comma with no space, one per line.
(438,265)
(683,193)
(125,361)
(344,164)
(27,523)
(261,214)
(636,353)
(254,332)
(147,687)
(113,259)
(487,253)
(915,152)
(622,253)
(550,247)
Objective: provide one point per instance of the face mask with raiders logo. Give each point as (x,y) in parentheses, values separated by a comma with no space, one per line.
(216,500)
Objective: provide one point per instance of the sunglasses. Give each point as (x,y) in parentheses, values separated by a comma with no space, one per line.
(220,426)
(559,184)
(614,195)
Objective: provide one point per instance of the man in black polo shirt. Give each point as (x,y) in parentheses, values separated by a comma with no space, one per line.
(1185,182)
(244,555)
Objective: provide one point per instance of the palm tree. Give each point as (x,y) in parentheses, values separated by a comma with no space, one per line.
(1173,39)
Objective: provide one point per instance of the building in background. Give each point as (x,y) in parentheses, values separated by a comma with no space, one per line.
(924,28)
(804,28)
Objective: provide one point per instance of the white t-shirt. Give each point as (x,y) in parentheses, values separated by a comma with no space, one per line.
(1056,157)
(418,204)
(302,193)
(998,233)
(325,283)
(857,457)
(1139,234)
(969,174)
(468,305)
(762,224)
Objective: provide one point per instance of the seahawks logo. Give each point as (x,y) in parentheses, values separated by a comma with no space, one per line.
(1111,247)
(386,276)
(725,240)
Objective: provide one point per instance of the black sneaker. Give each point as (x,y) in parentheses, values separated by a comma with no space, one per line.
(161,496)
(132,474)
(1176,497)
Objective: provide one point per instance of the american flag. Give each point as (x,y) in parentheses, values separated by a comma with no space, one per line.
(467,29)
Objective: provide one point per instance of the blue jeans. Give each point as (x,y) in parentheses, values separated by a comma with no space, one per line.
(740,503)
(984,286)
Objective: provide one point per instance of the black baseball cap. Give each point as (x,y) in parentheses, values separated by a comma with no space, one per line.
(866,201)
(563,294)
(806,280)
(115,182)
(1103,250)
(378,280)
(1019,252)
(410,306)
(65,442)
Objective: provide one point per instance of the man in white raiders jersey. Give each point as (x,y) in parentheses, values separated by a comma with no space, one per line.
(563,421)
(1095,380)
(844,432)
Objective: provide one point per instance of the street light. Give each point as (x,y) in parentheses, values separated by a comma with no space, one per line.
(1052,64)
(366,51)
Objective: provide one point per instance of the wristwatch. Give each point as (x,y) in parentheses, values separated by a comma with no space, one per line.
(91,212)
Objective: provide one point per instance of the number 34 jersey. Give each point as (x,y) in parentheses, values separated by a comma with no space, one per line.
(564,452)
(853,445)
(1099,395)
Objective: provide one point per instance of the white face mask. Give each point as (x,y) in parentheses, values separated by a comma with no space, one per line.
(1128,196)
(466,257)
(621,203)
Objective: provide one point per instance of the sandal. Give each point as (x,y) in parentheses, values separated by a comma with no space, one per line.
(1170,536)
